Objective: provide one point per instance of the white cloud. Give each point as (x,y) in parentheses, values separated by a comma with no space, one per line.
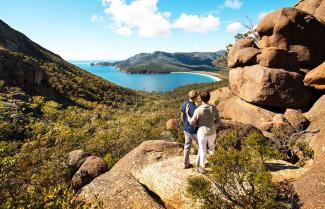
(141,16)
(195,23)
(124,31)
(234,4)
(263,14)
(96,18)
(234,27)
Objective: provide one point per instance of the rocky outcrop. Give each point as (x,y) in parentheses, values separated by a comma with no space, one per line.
(90,169)
(269,86)
(152,170)
(146,153)
(316,77)
(117,190)
(238,110)
(316,114)
(312,195)
(296,119)
(314,7)
(16,70)
(292,44)
(294,30)
(272,57)
(219,95)
(168,179)
(243,53)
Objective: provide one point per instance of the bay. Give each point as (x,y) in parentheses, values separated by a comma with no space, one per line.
(145,82)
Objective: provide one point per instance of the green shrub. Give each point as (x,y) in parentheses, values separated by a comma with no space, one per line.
(237,177)
(2,84)
(56,197)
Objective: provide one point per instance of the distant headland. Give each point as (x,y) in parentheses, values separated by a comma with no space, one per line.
(164,62)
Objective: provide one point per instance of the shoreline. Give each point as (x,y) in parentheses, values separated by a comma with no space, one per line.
(215,74)
(212,75)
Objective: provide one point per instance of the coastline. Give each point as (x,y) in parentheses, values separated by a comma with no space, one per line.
(214,76)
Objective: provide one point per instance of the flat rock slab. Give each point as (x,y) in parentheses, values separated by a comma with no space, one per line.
(116,190)
(168,179)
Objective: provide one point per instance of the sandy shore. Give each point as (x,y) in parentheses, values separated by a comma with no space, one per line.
(203,74)
(214,74)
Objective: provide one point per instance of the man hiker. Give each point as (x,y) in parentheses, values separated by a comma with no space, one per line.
(190,131)
(208,119)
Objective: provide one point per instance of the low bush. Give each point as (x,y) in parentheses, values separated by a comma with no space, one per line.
(237,177)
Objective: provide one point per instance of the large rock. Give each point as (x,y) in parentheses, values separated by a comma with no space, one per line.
(168,179)
(294,30)
(17,71)
(148,152)
(269,86)
(116,190)
(312,195)
(221,94)
(242,53)
(314,7)
(278,58)
(316,77)
(172,124)
(238,110)
(153,169)
(311,187)
(76,158)
(296,119)
(90,169)
(316,114)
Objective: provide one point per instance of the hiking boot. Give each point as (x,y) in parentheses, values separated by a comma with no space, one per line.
(188,166)
(200,170)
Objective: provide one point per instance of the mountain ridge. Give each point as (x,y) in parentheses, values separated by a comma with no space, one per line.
(38,71)
(165,62)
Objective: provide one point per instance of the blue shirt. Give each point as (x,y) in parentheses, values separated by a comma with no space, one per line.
(187,126)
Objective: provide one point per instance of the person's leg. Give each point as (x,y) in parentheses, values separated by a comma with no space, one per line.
(187,148)
(211,143)
(197,160)
(202,149)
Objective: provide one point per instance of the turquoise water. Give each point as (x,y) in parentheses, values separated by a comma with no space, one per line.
(145,82)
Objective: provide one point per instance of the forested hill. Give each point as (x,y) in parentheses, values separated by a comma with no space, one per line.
(163,62)
(25,64)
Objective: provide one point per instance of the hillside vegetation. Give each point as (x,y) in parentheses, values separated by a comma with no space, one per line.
(25,64)
(49,107)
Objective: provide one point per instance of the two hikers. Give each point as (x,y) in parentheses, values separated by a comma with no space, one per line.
(200,123)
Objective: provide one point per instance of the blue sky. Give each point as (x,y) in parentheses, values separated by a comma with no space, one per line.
(117,29)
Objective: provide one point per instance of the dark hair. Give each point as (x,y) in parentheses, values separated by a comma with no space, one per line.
(205,96)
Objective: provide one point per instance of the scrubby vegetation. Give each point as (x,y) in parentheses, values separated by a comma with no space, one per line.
(237,177)
(36,134)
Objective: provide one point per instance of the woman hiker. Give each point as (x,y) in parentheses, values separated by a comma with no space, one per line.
(207,118)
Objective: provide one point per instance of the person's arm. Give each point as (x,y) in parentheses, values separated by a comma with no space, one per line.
(183,109)
(192,120)
(217,119)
